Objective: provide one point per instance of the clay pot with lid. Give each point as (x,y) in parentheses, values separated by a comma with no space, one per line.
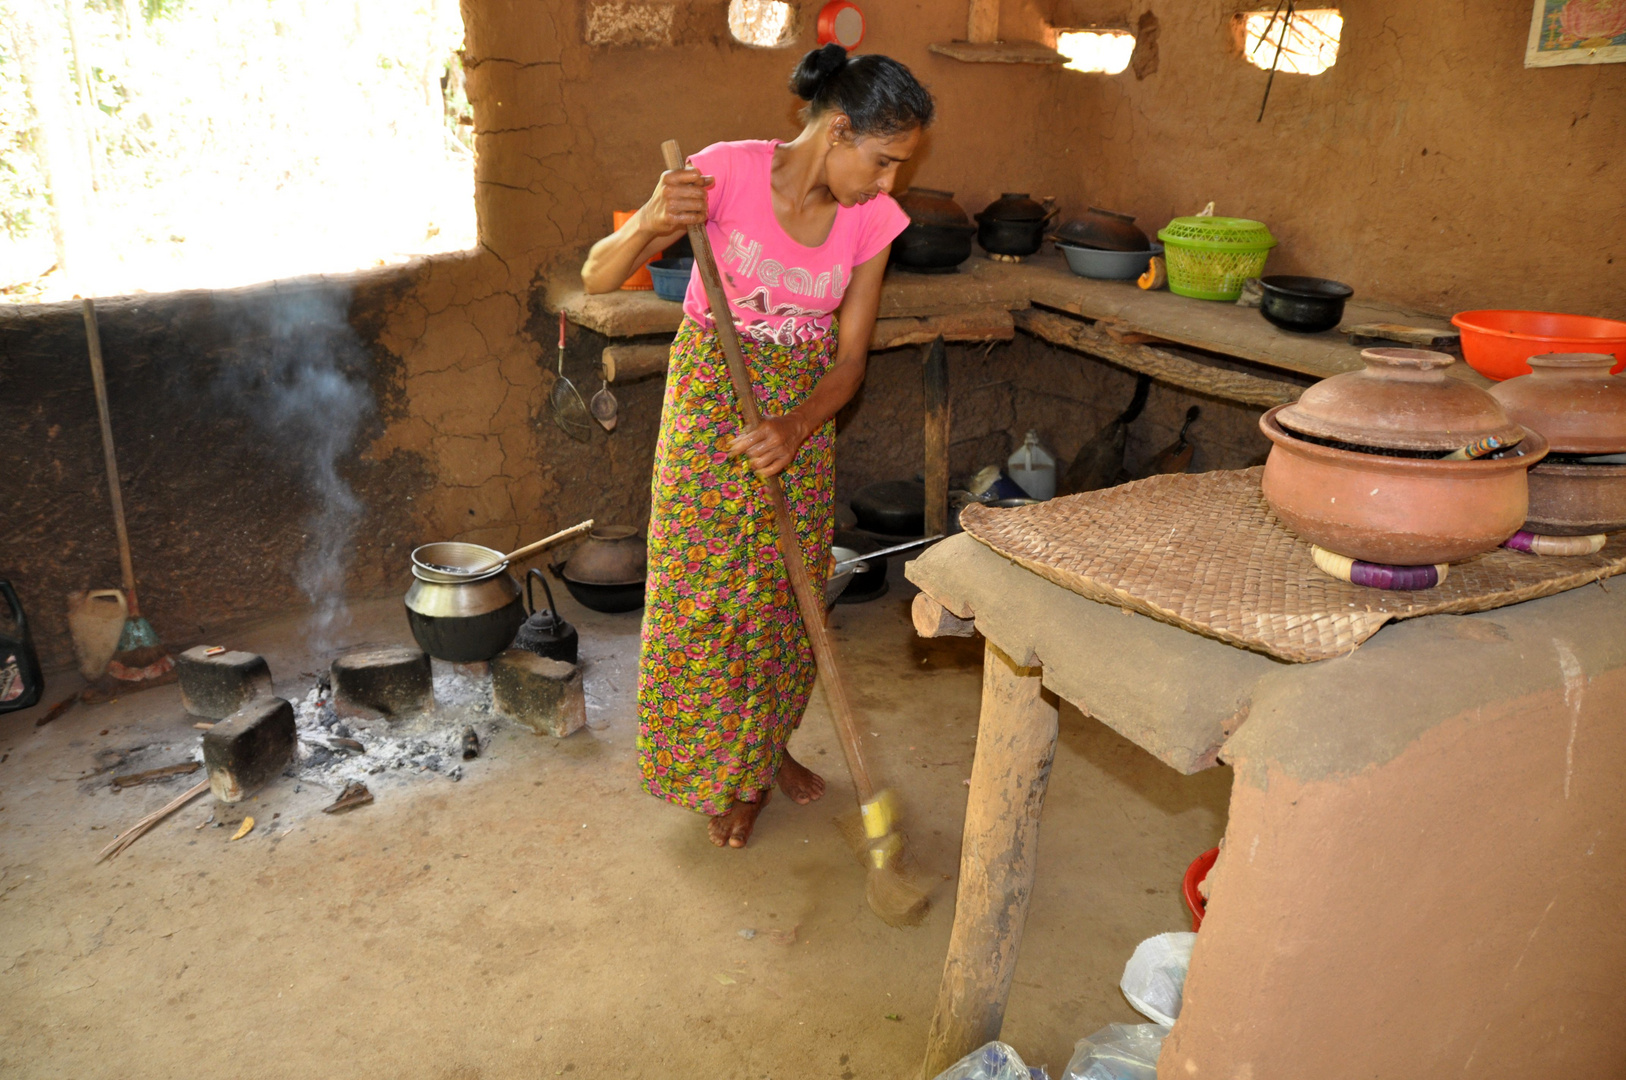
(1573,400)
(1354,465)
(1107,230)
(1013,224)
(606,571)
(938,237)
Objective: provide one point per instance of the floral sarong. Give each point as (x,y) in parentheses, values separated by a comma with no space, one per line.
(725,668)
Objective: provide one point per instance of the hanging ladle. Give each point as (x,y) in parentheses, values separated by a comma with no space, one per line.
(603,406)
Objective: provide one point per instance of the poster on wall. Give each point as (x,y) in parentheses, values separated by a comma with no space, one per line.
(1576,32)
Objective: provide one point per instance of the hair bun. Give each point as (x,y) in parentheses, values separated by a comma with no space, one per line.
(815,70)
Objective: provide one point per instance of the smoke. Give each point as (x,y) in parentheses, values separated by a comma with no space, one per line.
(300,377)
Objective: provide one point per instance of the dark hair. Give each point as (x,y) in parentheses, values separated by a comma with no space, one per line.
(879,95)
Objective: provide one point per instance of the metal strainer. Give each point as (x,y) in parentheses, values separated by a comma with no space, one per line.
(569,410)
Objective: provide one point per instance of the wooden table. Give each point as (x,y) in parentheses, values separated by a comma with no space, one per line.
(1342,735)
(1172,338)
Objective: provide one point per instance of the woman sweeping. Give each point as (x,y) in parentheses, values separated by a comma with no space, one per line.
(802,231)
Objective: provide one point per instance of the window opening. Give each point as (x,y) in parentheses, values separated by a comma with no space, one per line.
(1310,44)
(763,23)
(1105,51)
(173,144)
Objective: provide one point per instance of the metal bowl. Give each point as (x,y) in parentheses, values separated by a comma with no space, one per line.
(1107,265)
(837,583)
(453,562)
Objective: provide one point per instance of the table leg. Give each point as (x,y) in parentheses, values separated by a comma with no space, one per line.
(1016,742)
(937,437)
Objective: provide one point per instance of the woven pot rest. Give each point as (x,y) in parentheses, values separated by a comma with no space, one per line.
(1205,553)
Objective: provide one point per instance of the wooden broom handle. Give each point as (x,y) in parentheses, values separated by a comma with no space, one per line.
(94,337)
(812,607)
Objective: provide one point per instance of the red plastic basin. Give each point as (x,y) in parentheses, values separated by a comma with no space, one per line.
(1497,343)
(1195,873)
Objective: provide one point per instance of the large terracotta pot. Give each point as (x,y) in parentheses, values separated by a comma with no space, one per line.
(1395,510)
(1576,500)
(1571,399)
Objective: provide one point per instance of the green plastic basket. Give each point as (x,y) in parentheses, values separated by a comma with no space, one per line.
(1210,257)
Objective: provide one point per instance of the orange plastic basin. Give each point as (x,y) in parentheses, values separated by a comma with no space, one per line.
(1497,343)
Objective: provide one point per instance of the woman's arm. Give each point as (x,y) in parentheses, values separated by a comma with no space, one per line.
(772,444)
(679,200)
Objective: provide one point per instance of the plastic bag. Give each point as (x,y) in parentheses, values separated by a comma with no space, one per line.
(1155,978)
(1118,1052)
(995,1061)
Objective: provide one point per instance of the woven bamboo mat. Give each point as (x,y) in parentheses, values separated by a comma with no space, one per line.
(1204,552)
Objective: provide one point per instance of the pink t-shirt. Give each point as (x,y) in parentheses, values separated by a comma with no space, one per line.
(781,292)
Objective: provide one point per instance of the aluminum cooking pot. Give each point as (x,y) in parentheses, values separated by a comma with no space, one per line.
(458,618)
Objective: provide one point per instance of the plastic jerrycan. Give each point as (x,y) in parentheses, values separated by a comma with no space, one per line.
(1033,468)
(20,681)
(96,621)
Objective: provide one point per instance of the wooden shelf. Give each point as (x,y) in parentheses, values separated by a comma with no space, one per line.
(998,52)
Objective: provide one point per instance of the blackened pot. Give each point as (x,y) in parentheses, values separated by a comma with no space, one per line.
(892,507)
(932,249)
(1001,236)
(610,599)
(1304,305)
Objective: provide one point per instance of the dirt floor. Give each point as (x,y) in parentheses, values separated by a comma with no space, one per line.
(542,916)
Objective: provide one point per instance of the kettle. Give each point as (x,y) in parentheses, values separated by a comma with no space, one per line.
(544,632)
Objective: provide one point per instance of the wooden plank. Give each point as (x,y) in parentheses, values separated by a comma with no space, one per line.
(1175,694)
(933,620)
(1045,280)
(163,772)
(938,421)
(1211,325)
(1016,743)
(1160,364)
(983,324)
(998,52)
(982,21)
(623,363)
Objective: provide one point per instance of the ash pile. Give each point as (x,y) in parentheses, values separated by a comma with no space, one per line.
(454,728)
(381,711)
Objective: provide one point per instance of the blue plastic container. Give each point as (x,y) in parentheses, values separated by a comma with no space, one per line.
(671,277)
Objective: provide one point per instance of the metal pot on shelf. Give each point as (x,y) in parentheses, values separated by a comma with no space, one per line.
(461,618)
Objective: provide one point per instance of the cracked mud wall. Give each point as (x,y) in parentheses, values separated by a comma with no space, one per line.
(1428,167)
(568,132)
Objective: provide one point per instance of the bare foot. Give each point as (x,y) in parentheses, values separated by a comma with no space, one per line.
(733,827)
(797,781)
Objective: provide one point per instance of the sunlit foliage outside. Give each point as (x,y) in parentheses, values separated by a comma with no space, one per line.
(1307,39)
(150,145)
(1106,51)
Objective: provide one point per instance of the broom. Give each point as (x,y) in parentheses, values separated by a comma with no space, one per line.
(889,893)
(140,660)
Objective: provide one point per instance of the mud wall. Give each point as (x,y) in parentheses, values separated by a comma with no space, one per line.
(1427,167)
(572,99)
